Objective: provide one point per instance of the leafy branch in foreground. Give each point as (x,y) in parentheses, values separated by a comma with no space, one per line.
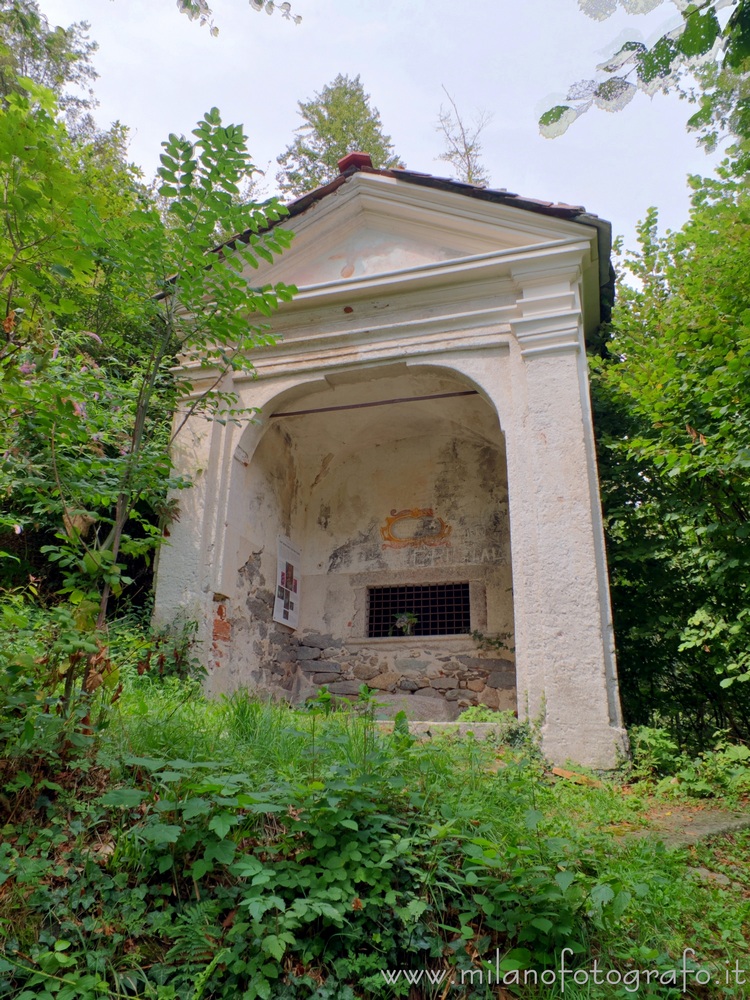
(699,39)
(87,439)
(199,10)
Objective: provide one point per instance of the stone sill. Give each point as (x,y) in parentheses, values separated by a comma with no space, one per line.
(438,642)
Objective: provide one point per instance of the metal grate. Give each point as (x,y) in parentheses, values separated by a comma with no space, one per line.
(439,609)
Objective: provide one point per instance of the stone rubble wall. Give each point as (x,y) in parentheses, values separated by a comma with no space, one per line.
(427,683)
(420,676)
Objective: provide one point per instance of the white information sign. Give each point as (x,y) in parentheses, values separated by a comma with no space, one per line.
(286,604)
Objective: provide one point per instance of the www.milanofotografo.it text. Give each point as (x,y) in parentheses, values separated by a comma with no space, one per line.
(683,976)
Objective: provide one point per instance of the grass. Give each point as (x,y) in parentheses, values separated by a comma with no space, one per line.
(311,850)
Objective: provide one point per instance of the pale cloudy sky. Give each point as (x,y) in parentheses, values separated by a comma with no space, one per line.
(513,58)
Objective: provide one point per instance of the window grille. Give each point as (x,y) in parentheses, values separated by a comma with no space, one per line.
(438,609)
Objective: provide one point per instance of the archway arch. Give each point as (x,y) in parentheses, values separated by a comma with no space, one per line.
(387,479)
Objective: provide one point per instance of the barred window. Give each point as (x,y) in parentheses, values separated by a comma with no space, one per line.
(438,609)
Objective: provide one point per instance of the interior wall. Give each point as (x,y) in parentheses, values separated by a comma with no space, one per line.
(448,469)
(331,481)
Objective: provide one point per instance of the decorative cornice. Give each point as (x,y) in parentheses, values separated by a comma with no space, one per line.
(550,320)
(342,352)
(467,304)
(447,210)
(538,259)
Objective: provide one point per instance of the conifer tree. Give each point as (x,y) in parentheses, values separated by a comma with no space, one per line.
(337,121)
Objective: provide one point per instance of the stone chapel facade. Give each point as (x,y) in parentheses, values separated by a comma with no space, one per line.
(416,505)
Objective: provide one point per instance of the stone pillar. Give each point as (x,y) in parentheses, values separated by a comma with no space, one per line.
(179,581)
(189,582)
(564,641)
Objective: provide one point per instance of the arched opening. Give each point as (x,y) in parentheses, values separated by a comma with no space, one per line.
(392,484)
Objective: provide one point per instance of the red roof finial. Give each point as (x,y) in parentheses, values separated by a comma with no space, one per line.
(357,160)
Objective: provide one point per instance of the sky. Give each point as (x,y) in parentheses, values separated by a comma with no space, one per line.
(159,72)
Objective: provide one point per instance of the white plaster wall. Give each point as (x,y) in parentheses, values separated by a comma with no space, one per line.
(182,559)
(509,323)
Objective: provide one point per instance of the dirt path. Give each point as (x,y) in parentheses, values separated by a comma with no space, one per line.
(682,825)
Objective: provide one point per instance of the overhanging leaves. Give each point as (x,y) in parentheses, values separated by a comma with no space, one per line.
(698,43)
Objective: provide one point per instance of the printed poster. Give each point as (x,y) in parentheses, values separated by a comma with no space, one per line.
(286,604)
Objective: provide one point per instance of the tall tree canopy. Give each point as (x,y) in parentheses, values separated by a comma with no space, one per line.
(337,121)
(673,407)
(54,57)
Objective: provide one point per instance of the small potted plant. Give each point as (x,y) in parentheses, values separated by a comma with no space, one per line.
(404,622)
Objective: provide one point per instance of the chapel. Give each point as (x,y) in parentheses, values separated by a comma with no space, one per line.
(415,504)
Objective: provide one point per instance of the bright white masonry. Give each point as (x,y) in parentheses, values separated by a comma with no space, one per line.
(462,313)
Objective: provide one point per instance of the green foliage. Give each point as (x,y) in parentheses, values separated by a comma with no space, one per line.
(723,99)
(338,120)
(61,393)
(672,409)
(39,660)
(170,653)
(404,623)
(655,753)
(482,713)
(716,49)
(718,772)
(498,642)
(40,652)
(42,193)
(242,849)
(722,770)
(68,452)
(510,731)
(53,57)
(85,429)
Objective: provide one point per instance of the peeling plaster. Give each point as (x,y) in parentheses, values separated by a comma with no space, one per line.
(482,297)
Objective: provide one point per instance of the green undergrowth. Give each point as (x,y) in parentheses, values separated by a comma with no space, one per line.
(235,848)
(722,770)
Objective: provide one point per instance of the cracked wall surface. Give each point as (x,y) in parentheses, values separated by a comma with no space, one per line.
(330,481)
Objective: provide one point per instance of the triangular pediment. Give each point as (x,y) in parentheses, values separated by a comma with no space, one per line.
(372,225)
